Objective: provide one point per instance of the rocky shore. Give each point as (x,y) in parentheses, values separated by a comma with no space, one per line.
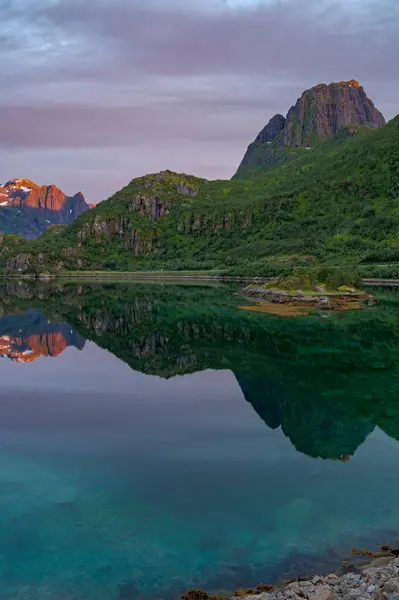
(369,576)
(378,580)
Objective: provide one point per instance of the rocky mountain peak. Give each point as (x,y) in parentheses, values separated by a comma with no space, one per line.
(325,109)
(320,113)
(272,129)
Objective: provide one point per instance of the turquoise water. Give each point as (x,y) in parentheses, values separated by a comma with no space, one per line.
(158,438)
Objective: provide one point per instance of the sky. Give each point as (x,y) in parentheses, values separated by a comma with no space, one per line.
(97,92)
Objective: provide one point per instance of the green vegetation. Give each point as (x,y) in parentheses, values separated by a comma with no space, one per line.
(338,204)
(330,279)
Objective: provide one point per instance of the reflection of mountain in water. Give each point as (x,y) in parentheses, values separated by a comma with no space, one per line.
(26,337)
(311,428)
(327,384)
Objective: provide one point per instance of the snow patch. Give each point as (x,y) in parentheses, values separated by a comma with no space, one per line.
(25,189)
(3,203)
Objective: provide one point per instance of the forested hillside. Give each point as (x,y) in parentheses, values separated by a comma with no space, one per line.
(337,202)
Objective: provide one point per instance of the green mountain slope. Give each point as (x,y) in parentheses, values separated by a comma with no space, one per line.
(338,201)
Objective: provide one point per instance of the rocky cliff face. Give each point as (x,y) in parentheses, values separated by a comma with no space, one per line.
(326,109)
(318,114)
(28,209)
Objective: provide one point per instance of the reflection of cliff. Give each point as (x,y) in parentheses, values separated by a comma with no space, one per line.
(327,384)
(312,427)
(26,337)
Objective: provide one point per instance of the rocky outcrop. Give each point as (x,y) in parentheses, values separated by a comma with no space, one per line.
(28,208)
(318,114)
(19,263)
(155,204)
(149,206)
(142,241)
(340,299)
(326,109)
(272,129)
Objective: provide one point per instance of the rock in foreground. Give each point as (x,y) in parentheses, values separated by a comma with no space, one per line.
(376,581)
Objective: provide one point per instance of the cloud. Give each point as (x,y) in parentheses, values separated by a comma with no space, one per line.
(122,74)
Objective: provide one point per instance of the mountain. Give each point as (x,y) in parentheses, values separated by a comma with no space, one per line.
(319,114)
(28,209)
(338,202)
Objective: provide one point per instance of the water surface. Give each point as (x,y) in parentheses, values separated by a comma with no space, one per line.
(155,438)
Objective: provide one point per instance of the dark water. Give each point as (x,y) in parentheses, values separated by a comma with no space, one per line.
(155,438)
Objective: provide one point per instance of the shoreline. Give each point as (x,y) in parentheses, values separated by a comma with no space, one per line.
(375,580)
(376,577)
(168,276)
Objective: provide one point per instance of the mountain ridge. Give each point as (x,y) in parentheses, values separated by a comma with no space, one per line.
(339,202)
(28,209)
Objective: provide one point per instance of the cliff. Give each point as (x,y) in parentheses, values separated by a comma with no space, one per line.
(319,114)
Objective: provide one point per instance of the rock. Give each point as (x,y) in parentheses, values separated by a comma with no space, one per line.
(323,594)
(20,262)
(324,302)
(391,586)
(186,190)
(319,113)
(377,562)
(272,129)
(316,580)
(332,107)
(353,595)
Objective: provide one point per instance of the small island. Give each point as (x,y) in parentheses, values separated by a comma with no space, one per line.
(303,290)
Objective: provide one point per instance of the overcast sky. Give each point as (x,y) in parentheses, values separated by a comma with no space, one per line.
(96,92)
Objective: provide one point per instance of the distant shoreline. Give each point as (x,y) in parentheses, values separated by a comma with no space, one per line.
(167,276)
(126,275)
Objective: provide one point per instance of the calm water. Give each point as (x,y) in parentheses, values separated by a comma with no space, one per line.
(155,438)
